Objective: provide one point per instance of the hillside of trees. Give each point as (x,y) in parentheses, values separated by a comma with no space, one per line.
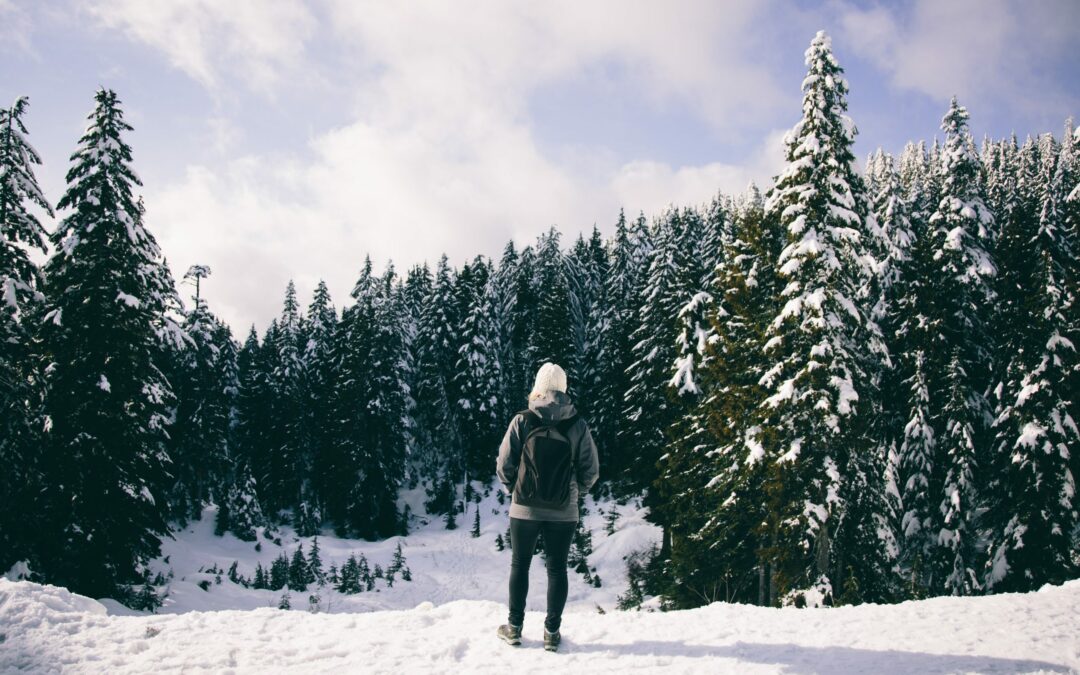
(848,386)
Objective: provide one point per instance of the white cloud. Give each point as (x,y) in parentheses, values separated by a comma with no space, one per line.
(651,186)
(984,51)
(440,155)
(15,27)
(256,39)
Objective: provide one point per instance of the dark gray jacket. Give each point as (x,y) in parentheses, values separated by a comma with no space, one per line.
(553,407)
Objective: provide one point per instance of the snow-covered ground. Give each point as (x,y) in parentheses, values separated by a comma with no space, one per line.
(444,620)
(446,565)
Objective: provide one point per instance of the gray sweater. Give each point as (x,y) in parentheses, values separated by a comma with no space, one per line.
(553,407)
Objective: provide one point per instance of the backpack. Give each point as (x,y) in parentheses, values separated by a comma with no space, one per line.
(547,463)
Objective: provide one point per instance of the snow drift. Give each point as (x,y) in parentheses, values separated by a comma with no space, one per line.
(45,628)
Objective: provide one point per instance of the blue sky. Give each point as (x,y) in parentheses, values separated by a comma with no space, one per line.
(284,139)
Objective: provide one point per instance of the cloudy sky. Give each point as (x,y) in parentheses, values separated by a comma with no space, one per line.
(284,139)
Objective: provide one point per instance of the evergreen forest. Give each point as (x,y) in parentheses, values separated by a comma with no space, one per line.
(856,384)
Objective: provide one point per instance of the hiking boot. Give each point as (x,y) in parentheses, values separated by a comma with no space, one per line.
(552,640)
(511,635)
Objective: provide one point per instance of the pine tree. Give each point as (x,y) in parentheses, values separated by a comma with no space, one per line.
(647,409)
(475,531)
(241,508)
(253,412)
(397,563)
(587,268)
(206,387)
(317,421)
(279,573)
(550,325)
(624,284)
(260,580)
(714,485)
(299,572)
(286,465)
(963,267)
(315,564)
(436,419)
(110,308)
(511,336)
(349,582)
(1032,509)
(371,410)
(478,374)
(364,573)
(20,298)
(820,482)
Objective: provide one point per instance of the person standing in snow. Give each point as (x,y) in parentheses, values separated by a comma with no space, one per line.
(546,459)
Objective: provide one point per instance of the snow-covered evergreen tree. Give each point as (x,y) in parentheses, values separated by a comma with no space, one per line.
(551,325)
(825,352)
(370,409)
(286,465)
(960,233)
(110,312)
(628,260)
(20,299)
(315,423)
(647,408)
(436,354)
(478,379)
(587,268)
(1032,496)
(205,402)
(715,482)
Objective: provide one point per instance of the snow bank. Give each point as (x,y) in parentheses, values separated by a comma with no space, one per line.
(44,628)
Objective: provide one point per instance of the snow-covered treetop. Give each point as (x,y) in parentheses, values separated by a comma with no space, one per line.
(19,228)
(101,161)
(197,272)
(17,181)
(962,218)
(819,196)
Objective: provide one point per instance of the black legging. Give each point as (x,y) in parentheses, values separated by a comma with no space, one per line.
(557,537)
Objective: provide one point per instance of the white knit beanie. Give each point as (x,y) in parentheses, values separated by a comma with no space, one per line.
(549,378)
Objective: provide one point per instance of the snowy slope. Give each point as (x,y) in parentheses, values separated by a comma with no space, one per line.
(44,628)
(444,620)
(445,565)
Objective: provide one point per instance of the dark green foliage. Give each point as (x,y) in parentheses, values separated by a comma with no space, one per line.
(279,573)
(20,386)
(260,580)
(475,531)
(299,572)
(107,331)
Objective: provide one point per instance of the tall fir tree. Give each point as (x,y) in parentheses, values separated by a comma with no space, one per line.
(628,256)
(437,350)
(478,375)
(1032,500)
(286,464)
(20,300)
(200,436)
(550,325)
(111,308)
(316,413)
(825,352)
(960,234)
